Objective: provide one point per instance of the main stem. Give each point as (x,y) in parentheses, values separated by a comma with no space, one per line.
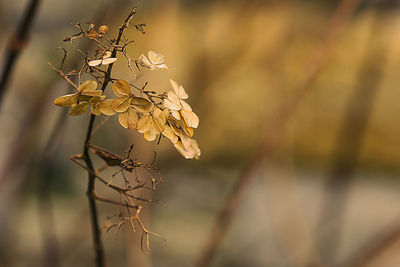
(97,243)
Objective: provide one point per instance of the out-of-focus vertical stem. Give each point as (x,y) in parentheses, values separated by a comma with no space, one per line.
(274,132)
(349,143)
(16,43)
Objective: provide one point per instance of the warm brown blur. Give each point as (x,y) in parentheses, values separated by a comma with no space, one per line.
(326,193)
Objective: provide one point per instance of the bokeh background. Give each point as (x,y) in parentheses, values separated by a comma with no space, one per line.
(323,187)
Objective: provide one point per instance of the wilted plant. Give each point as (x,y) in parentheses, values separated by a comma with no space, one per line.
(156,115)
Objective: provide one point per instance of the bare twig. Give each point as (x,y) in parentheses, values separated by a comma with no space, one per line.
(273,133)
(16,43)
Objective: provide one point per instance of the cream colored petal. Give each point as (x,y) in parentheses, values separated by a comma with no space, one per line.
(170,134)
(144,124)
(66,100)
(128,119)
(108,61)
(185,105)
(142,104)
(94,63)
(143,61)
(170,105)
(121,104)
(106,107)
(187,154)
(176,114)
(158,125)
(107,54)
(190,118)
(78,109)
(121,88)
(179,90)
(173,98)
(88,85)
(156,58)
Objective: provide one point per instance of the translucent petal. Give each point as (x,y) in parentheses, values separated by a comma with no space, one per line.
(94,63)
(121,104)
(66,100)
(170,134)
(171,105)
(156,58)
(185,105)
(145,62)
(173,98)
(108,60)
(190,118)
(107,54)
(176,114)
(106,107)
(142,104)
(121,88)
(187,154)
(145,124)
(78,109)
(128,119)
(179,90)
(88,85)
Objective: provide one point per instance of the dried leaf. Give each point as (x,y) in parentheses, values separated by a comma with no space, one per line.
(121,104)
(78,109)
(92,34)
(66,100)
(103,29)
(142,104)
(128,119)
(89,85)
(121,88)
(106,107)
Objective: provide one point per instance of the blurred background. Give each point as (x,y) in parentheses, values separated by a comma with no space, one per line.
(300,143)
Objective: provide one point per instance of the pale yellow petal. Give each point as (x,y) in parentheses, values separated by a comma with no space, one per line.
(78,109)
(176,114)
(170,134)
(121,88)
(108,61)
(128,119)
(66,100)
(185,105)
(106,107)
(179,90)
(187,154)
(121,104)
(170,105)
(143,61)
(155,58)
(142,104)
(94,63)
(150,135)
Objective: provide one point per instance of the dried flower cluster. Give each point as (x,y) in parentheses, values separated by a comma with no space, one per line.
(150,113)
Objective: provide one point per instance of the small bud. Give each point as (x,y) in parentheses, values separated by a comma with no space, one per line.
(103,29)
(92,34)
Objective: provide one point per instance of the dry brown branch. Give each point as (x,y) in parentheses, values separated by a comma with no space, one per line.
(274,132)
(16,44)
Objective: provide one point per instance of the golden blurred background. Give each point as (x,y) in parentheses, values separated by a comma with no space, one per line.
(310,87)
